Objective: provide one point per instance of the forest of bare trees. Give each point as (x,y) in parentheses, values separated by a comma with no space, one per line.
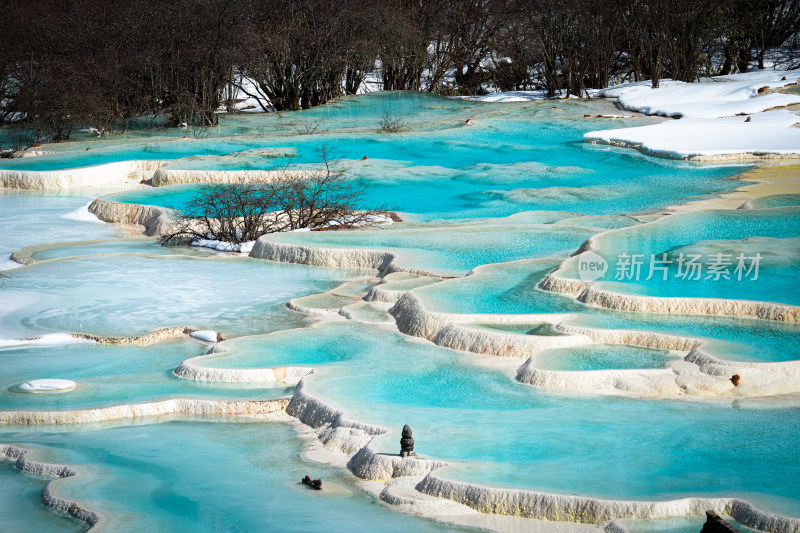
(69,64)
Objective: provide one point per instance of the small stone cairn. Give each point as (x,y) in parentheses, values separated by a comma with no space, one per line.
(406,443)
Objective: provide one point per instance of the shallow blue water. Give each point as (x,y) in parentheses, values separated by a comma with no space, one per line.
(128,295)
(778,200)
(116,246)
(21,506)
(502,432)
(729,239)
(28,218)
(196,476)
(110,375)
(478,178)
(436,250)
(601,357)
(512,289)
(516,158)
(293,347)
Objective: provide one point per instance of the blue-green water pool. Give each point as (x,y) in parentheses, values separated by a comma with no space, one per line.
(518,186)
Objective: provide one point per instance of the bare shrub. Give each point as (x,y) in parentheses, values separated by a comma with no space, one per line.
(312,127)
(242,212)
(391,123)
(199,131)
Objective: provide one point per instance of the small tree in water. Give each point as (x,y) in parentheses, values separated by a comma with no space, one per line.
(241,212)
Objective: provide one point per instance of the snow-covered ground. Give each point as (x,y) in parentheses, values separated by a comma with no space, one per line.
(725,116)
(515,96)
(771,132)
(722,96)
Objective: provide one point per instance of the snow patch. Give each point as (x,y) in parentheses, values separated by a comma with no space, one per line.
(47,385)
(82,214)
(205,335)
(224,246)
(771,132)
(514,96)
(6,263)
(722,96)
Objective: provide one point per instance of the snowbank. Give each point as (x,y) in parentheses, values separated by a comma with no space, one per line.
(511,96)
(711,127)
(722,96)
(763,135)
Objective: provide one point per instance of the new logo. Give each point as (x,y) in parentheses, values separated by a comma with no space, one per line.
(591,266)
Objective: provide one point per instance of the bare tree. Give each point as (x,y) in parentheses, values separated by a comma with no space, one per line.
(241,212)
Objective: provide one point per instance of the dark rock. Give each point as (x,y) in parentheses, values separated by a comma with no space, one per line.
(715,524)
(315,484)
(406,442)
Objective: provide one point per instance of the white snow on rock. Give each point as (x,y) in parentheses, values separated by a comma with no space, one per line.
(205,335)
(47,385)
(6,263)
(722,96)
(82,214)
(711,124)
(50,339)
(513,96)
(224,246)
(355,221)
(771,132)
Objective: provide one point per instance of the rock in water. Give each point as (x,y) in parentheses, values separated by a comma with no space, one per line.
(406,442)
(315,484)
(715,524)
